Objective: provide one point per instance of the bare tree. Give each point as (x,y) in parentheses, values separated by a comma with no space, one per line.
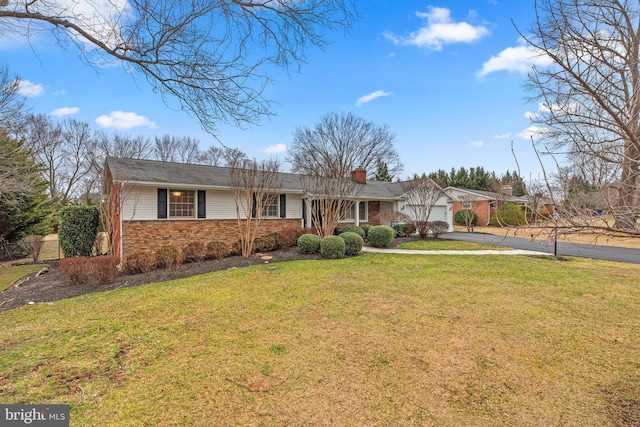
(213,156)
(209,56)
(255,186)
(331,200)
(590,95)
(233,156)
(170,148)
(12,105)
(339,143)
(422,195)
(64,150)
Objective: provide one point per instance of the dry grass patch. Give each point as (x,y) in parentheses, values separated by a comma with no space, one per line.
(10,274)
(373,340)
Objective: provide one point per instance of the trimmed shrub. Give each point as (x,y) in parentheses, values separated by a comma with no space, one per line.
(168,256)
(353,243)
(351,228)
(194,251)
(105,269)
(265,243)
(309,244)
(381,236)
(332,247)
(139,262)
(76,269)
(402,230)
(365,228)
(287,238)
(218,249)
(77,230)
(437,228)
(509,214)
(463,215)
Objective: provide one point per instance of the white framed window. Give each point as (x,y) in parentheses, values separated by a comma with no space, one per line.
(270,207)
(466,205)
(350,215)
(182,203)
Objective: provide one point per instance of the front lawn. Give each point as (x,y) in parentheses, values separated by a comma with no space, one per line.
(378,339)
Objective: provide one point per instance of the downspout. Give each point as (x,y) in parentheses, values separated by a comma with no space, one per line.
(120,244)
(489,213)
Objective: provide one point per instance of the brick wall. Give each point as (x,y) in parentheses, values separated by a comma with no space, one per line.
(149,235)
(480,207)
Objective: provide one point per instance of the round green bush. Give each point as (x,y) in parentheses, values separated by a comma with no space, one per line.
(352,228)
(309,244)
(353,242)
(332,247)
(381,236)
(465,214)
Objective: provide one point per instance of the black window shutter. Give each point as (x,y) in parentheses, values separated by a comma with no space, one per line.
(162,203)
(202,204)
(283,206)
(253,206)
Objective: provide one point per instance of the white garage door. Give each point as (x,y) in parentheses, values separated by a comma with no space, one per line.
(438,213)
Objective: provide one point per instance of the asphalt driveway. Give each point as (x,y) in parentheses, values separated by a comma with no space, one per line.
(606,253)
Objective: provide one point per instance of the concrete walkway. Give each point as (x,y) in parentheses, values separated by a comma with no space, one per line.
(427,252)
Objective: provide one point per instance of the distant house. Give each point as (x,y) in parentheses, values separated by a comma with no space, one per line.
(155,203)
(482,203)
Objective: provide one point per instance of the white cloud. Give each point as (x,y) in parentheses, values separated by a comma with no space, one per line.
(439,30)
(503,135)
(124,120)
(29,89)
(65,111)
(532,131)
(518,59)
(477,143)
(275,149)
(370,97)
(531,115)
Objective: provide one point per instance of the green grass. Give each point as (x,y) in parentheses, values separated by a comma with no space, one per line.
(448,245)
(378,339)
(9,275)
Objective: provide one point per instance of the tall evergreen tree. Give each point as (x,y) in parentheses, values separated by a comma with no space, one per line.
(382,172)
(25,207)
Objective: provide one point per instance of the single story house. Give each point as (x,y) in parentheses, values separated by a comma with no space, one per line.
(482,203)
(485,203)
(154,203)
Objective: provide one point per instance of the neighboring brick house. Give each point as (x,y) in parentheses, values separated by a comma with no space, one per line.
(155,203)
(483,203)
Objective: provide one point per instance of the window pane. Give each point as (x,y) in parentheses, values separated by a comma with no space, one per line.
(362,214)
(182,203)
(271,206)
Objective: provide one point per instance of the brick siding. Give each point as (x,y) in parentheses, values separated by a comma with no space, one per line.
(149,235)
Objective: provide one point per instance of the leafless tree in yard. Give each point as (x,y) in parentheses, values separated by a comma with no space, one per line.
(170,148)
(466,213)
(13,105)
(422,195)
(590,94)
(331,199)
(233,157)
(340,143)
(255,186)
(64,150)
(209,57)
(213,156)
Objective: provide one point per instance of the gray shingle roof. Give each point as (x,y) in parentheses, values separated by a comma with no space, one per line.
(153,172)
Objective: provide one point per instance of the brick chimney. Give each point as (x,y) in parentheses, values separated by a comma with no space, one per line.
(359,175)
(506,190)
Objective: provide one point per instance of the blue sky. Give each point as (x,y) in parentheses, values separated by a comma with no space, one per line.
(446,76)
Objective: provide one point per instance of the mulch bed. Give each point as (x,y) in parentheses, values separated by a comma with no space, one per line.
(52,286)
